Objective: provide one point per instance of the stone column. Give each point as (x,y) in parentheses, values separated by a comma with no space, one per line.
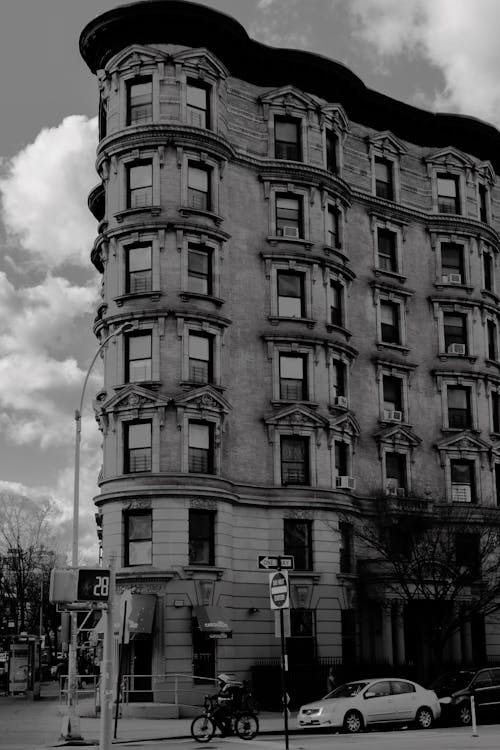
(400,633)
(387,650)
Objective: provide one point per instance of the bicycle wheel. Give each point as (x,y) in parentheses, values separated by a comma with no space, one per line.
(246,726)
(202,729)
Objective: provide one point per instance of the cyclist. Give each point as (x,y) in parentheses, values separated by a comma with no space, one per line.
(228,700)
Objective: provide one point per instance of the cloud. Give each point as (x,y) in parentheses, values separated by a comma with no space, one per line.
(456,36)
(281,24)
(44,193)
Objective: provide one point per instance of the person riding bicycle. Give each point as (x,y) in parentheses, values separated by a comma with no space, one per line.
(228,701)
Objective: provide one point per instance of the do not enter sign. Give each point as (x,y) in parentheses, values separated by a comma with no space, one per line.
(278,589)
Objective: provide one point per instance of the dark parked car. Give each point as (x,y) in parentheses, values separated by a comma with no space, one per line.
(454,690)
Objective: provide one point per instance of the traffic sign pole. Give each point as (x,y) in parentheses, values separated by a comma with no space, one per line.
(284,670)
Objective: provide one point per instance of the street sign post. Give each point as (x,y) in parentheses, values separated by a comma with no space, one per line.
(279,595)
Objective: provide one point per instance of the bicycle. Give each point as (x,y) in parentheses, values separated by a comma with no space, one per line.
(243,723)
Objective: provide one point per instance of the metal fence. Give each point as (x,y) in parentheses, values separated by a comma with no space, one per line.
(86,694)
(174,688)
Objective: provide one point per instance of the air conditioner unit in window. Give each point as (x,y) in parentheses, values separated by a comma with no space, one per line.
(345,483)
(341,401)
(456,349)
(390,490)
(401,492)
(290,231)
(392,416)
(461,493)
(454,278)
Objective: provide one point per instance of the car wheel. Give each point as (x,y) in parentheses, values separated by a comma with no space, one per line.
(424,718)
(353,722)
(464,714)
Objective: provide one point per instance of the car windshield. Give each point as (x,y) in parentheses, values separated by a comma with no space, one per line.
(451,682)
(348,690)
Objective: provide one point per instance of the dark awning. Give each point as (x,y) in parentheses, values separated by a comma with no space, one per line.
(213,620)
(140,615)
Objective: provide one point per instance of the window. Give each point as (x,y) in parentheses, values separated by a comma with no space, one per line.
(294,460)
(140,185)
(331,152)
(389,327)
(462,481)
(293,377)
(139,101)
(333,225)
(200,358)
(387,250)
(138,357)
(346,547)
(103,118)
(455,333)
(495,411)
(497,484)
(488,271)
(301,646)
(199,269)
(139,269)
(201,448)
(467,553)
(339,377)
(197,105)
(459,408)
(448,194)
(393,396)
(199,188)
(291,299)
(395,470)
(287,139)
(138,538)
(452,263)
(298,542)
(201,537)
(341,459)
(137,447)
(288,216)
(384,182)
(492,332)
(483,203)
(336,303)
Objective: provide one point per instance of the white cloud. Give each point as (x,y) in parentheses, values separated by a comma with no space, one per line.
(456,36)
(45,190)
(281,25)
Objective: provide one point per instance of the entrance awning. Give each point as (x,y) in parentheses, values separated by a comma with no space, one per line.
(214,621)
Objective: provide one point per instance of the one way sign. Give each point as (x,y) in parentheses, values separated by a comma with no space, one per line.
(276,562)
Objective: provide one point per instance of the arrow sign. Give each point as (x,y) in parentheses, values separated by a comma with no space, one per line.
(270,562)
(278,590)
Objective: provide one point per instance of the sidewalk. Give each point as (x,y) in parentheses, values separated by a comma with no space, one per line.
(37,724)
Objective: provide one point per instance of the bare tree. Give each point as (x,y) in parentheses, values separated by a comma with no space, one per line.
(445,555)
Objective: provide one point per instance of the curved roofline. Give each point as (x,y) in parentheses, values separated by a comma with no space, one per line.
(195,25)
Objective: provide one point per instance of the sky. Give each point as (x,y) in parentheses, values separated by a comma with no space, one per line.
(437,55)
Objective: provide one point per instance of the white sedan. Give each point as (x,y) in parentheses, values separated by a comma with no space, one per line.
(358,704)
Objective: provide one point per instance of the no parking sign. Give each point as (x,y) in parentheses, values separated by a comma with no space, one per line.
(278,589)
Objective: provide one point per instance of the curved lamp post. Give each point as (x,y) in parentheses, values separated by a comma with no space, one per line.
(71,722)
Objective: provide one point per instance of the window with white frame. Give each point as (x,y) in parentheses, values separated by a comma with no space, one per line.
(342,464)
(492,339)
(140,184)
(392,395)
(390,322)
(495,410)
(396,471)
(294,455)
(338,370)
(483,202)
(138,268)
(333,238)
(199,187)
(289,219)
(337,303)
(331,145)
(448,193)
(455,333)
(293,370)
(200,346)
(384,178)
(387,250)
(138,537)
(200,269)
(488,275)
(291,294)
(297,541)
(459,407)
(201,447)
(287,138)
(137,447)
(201,537)
(198,103)
(452,263)
(139,100)
(463,480)
(138,357)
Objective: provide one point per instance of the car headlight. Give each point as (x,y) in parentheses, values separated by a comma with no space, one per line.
(445,701)
(312,711)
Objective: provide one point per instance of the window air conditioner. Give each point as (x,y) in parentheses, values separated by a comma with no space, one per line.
(345,483)
(290,231)
(456,349)
(390,489)
(401,492)
(454,278)
(392,416)
(460,493)
(341,401)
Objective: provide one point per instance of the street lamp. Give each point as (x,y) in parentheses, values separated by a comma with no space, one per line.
(71,723)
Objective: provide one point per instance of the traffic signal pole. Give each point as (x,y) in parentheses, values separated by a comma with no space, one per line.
(284,670)
(107,671)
